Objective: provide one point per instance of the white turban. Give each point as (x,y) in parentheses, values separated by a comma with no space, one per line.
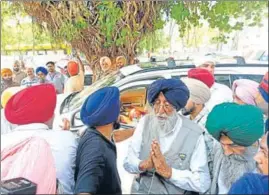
(199,61)
(199,92)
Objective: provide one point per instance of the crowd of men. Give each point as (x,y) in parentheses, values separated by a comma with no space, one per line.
(71,81)
(197,137)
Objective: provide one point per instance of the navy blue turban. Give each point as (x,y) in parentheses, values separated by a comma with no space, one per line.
(101,108)
(174,90)
(250,183)
(41,69)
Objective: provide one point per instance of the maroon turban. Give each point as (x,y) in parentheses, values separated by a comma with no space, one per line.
(32,105)
(202,75)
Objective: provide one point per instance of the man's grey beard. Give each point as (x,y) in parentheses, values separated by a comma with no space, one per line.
(234,166)
(163,127)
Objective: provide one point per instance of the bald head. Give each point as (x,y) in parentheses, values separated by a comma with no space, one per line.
(105,63)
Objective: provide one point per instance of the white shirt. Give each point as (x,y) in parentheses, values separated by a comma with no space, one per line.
(63,145)
(6,127)
(197,178)
(219,94)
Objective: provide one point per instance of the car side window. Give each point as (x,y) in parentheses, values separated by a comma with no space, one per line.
(87,80)
(256,78)
(223,79)
(133,102)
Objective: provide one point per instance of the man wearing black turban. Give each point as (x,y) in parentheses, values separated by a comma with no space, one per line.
(167,151)
(96,166)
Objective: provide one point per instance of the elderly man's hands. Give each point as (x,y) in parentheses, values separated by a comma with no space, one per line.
(146,165)
(159,161)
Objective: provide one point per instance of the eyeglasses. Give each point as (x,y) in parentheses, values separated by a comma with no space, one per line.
(166,106)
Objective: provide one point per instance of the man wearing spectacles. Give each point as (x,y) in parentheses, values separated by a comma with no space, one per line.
(167,151)
(236,129)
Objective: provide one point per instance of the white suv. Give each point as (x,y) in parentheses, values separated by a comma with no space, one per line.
(133,82)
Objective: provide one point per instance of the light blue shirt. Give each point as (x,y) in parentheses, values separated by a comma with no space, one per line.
(63,146)
(58,80)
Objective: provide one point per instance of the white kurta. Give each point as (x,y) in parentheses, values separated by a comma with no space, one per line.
(196,178)
(219,94)
(6,127)
(63,145)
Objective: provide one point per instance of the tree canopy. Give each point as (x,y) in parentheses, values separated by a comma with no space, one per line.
(113,28)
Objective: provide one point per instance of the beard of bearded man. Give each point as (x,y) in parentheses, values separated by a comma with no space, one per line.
(161,127)
(234,166)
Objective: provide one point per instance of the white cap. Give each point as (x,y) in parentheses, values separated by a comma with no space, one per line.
(199,61)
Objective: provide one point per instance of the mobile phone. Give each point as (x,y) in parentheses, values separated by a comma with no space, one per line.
(18,186)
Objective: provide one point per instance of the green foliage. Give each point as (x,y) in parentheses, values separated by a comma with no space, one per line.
(225,16)
(115,27)
(15,33)
(153,41)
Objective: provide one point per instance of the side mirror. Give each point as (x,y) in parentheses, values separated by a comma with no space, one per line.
(76,121)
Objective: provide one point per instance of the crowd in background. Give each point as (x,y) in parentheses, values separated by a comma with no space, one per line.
(197,137)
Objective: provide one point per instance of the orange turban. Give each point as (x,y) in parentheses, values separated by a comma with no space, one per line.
(6,71)
(8,93)
(72,68)
(34,104)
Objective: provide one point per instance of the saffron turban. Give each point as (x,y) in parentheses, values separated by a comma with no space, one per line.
(250,183)
(35,104)
(243,124)
(199,92)
(202,75)
(174,90)
(8,93)
(6,71)
(72,68)
(246,90)
(41,69)
(101,108)
(263,88)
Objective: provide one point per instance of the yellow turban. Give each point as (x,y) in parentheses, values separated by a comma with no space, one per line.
(8,93)
(6,71)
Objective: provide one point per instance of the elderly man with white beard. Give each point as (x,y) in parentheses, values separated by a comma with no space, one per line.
(167,151)
(236,129)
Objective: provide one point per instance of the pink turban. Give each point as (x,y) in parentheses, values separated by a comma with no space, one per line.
(246,90)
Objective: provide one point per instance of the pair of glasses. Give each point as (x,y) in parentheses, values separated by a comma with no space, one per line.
(166,106)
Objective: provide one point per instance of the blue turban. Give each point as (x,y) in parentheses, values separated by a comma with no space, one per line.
(41,69)
(174,90)
(250,183)
(101,108)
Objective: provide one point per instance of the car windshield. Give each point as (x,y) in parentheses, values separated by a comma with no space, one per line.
(106,81)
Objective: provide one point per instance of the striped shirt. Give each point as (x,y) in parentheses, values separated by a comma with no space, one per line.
(29,82)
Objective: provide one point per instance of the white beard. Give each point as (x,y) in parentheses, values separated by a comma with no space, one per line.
(234,166)
(162,127)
